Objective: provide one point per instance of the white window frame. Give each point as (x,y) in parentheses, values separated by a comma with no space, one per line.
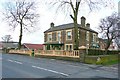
(49,37)
(94,37)
(58,37)
(87,35)
(68,46)
(67,34)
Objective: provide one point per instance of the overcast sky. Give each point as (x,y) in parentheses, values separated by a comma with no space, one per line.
(48,15)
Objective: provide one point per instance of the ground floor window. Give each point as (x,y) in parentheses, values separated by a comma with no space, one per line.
(68,47)
(53,47)
(47,47)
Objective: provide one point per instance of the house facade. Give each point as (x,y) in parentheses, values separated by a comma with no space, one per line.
(62,37)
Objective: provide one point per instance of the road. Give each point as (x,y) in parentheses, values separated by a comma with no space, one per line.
(20,66)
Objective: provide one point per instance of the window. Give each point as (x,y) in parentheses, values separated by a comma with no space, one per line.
(54,36)
(59,36)
(49,37)
(68,47)
(69,35)
(87,35)
(94,37)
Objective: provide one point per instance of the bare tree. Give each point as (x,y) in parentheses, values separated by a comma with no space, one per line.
(22,14)
(75,6)
(109,29)
(6,38)
(117,40)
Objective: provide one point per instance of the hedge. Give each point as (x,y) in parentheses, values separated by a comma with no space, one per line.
(102,52)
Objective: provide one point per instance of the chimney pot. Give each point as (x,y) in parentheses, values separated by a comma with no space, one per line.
(52,25)
(83,19)
(88,25)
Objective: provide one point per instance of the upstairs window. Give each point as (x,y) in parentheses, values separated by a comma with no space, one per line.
(94,37)
(69,35)
(59,36)
(87,35)
(49,37)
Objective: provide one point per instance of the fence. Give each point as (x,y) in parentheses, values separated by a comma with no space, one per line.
(63,53)
(20,51)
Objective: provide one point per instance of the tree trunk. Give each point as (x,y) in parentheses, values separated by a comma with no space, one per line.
(75,12)
(106,50)
(20,37)
(107,46)
(76,44)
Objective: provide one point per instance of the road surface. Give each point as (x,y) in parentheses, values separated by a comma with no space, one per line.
(21,66)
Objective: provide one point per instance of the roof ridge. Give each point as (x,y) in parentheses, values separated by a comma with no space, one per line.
(32,43)
(67,26)
(64,24)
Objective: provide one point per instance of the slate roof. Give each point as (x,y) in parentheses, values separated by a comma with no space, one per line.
(66,26)
(33,46)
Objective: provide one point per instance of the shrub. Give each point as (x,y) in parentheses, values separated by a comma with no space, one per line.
(102,52)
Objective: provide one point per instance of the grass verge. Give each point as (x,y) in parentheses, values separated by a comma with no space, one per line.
(104,59)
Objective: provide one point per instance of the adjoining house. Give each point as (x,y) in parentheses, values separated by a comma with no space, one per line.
(5,46)
(28,46)
(62,37)
(103,44)
(9,45)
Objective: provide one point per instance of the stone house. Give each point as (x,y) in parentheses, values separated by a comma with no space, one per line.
(62,37)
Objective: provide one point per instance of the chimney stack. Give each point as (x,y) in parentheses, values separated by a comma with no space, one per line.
(88,25)
(83,21)
(52,25)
